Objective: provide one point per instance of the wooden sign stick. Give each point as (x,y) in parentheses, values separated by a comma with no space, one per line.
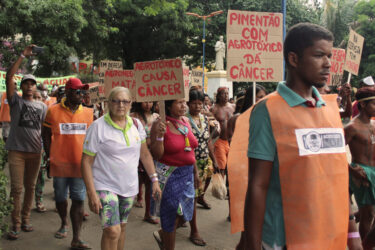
(162,110)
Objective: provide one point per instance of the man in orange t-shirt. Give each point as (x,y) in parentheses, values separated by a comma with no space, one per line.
(64,130)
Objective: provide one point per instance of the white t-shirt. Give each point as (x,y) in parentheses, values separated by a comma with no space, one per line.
(117,153)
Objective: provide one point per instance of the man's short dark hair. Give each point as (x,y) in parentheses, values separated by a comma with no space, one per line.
(302,36)
(364,93)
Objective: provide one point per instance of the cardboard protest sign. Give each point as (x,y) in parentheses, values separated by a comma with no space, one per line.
(186,73)
(107,65)
(117,78)
(353,52)
(196,77)
(103,67)
(337,66)
(159,80)
(94,94)
(254,46)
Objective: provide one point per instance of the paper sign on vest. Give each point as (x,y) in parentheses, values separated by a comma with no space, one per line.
(73,128)
(312,141)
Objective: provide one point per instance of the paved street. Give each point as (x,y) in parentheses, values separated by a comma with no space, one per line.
(213,226)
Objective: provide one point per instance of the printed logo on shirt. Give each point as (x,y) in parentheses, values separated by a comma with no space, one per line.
(5,101)
(320,141)
(30,117)
(73,128)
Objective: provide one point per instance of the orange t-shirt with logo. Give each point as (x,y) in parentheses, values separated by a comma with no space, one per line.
(68,134)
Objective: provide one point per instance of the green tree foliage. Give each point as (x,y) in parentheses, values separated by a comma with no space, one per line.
(337,16)
(297,11)
(365,25)
(135,30)
(52,24)
(150,33)
(128,30)
(5,205)
(94,37)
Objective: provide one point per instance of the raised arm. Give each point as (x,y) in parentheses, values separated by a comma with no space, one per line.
(158,130)
(9,81)
(345,93)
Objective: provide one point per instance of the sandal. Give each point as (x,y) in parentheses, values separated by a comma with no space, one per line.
(85,216)
(40,208)
(182,224)
(80,245)
(27,228)
(13,235)
(151,220)
(158,239)
(138,204)
(203,203)
(197,241)
(61,233)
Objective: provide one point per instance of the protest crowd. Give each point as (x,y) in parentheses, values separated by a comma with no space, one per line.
(279,161)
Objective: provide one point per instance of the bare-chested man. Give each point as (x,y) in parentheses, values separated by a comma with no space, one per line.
(360,135)
(223,111)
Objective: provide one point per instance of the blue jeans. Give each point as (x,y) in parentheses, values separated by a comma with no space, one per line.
(77,188)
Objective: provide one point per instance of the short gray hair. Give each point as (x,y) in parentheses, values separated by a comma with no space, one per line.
(117,90)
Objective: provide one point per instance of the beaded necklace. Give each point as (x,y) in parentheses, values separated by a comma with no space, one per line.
(184,131)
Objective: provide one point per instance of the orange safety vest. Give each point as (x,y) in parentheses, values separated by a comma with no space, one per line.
(68,134)
(313,173)
(50,102)
(238,171)
(4,109)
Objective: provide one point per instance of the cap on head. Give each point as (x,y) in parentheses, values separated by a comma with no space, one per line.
(28,77)
(367,81)
(75,83)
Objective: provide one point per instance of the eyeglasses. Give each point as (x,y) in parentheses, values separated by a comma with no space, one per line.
(78,91)
(118,102)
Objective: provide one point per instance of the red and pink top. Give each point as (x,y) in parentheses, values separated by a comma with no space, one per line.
(174,147)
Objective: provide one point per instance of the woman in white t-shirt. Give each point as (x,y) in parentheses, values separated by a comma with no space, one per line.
(113,146)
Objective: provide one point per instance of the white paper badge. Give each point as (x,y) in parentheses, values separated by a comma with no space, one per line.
(73,128)
(312,141)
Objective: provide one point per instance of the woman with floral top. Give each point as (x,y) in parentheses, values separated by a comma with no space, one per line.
(203,154)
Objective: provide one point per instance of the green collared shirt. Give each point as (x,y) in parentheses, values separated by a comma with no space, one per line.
(129,124)
(262,146)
